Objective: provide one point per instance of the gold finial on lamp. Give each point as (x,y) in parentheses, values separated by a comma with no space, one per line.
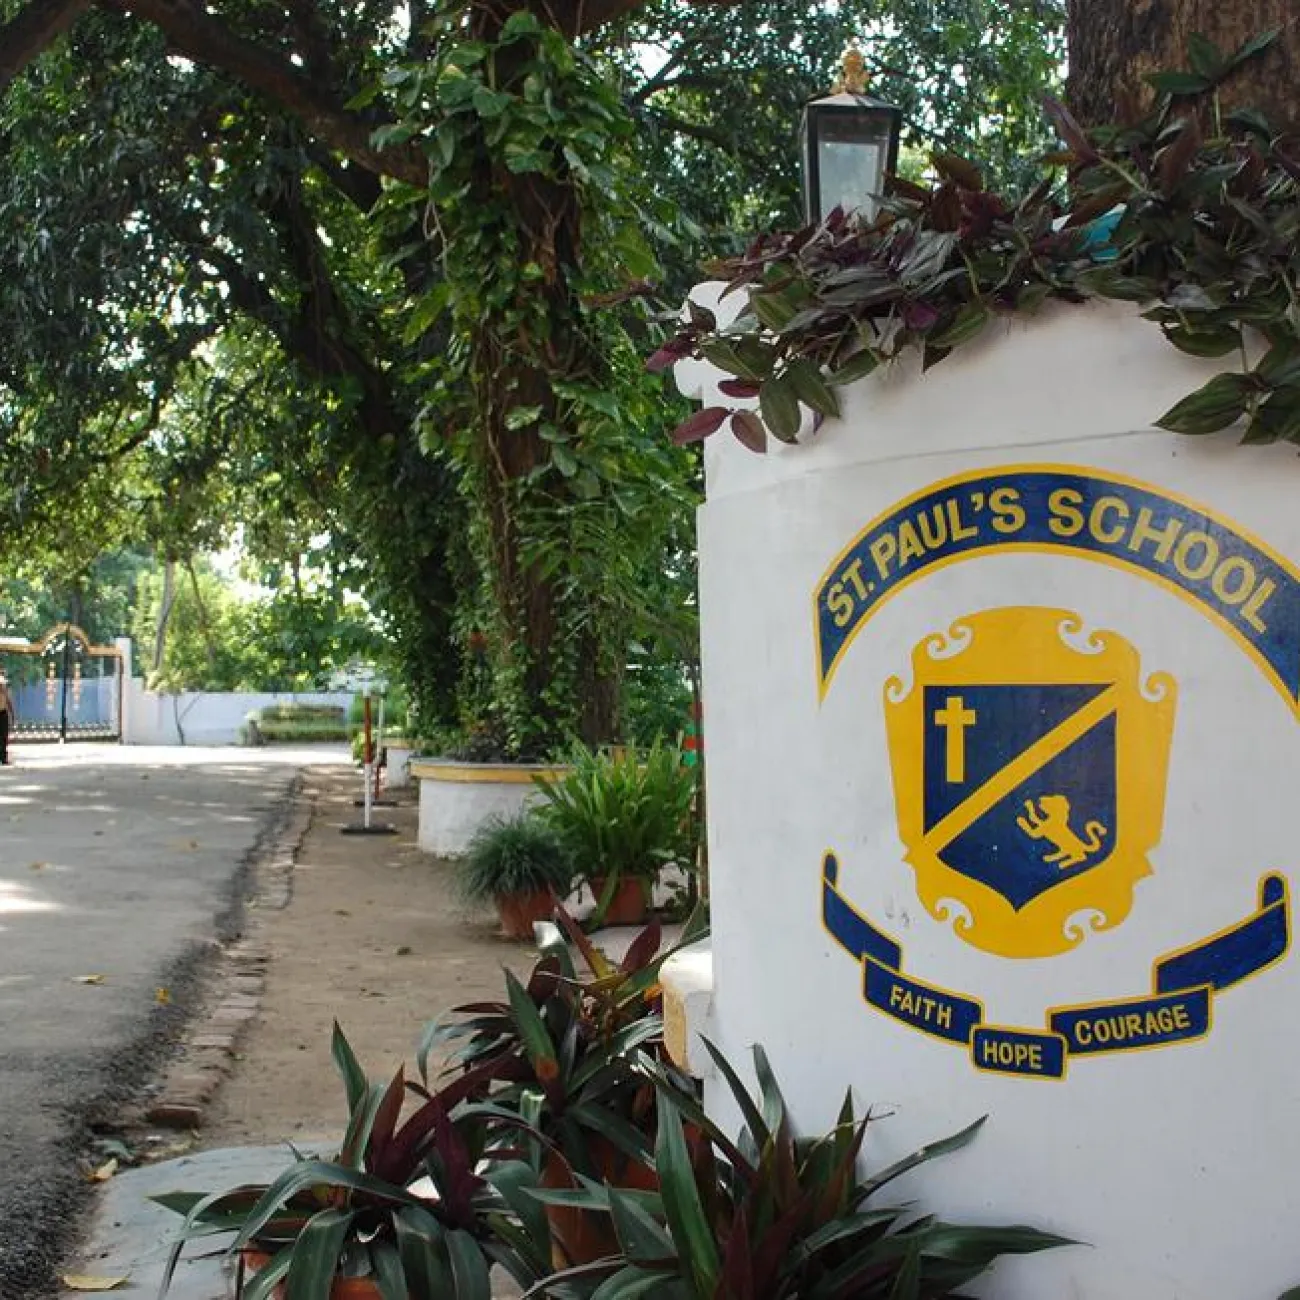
(853,74)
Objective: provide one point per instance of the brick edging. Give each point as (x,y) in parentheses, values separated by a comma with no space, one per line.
(206,1054)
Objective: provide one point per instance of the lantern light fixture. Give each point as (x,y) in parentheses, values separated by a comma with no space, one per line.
(849,143)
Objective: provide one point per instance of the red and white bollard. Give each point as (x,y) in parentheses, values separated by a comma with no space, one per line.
(369,793)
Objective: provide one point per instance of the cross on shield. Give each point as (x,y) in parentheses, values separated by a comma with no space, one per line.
(1020,782)
(1029,775)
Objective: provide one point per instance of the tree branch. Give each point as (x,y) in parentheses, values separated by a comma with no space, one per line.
(577,18)
(696,130)
(663,79)
(688,81)
(23,37)
(305,20)
(417,44)
(194,33)
(361,187)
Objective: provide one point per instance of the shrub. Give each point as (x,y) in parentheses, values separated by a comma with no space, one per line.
(303,729)
(626,814)
(414,1203)
(773,1215)
(294,721)
(302,711)
(515,855)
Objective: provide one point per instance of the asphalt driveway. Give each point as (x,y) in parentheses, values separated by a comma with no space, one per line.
(118,868)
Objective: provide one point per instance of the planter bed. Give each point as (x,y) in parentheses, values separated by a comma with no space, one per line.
(456,799)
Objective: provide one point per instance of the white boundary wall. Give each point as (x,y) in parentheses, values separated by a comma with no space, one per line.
(1178,1164)
(199,717)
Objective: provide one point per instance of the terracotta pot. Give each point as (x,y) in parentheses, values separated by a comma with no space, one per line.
(344,1288)
(628,906)
(519,911)
(584,1236)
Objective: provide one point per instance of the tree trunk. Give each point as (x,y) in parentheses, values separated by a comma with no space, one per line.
(164,615)
(1115,44)
(205,623)
(531,605)
(513,368)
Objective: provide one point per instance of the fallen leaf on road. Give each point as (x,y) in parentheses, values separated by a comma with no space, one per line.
(162,997)
(104,1172)
(38,866)
(90,979)
(88,1282)
(404,951)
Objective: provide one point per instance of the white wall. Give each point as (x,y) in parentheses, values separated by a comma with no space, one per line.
(1179,1164)
(202,718)
(199,717)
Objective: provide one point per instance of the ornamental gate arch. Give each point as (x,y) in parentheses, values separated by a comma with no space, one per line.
(63,686)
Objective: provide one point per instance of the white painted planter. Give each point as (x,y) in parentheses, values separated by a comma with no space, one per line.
(398,772)
(456,799)
(858,715)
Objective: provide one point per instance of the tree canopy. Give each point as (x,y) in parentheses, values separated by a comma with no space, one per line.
(386,271)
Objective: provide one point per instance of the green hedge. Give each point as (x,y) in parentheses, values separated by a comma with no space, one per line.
(308,713)
(306,729)
(284,723)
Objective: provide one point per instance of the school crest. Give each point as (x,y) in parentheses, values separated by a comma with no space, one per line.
(1029,761)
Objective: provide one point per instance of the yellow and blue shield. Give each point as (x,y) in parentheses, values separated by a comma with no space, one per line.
(1029,761)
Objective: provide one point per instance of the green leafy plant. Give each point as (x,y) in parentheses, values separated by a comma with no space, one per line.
(575,512)
(421,1207)
(288,722)
(515,855)
(562,1047)
(313,730)
(566,1056)
(1200,229)
(773,1216)
(623,815)
(301,711)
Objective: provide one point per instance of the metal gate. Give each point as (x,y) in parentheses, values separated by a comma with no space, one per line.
(63,687)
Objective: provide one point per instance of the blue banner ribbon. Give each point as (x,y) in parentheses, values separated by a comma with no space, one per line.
(1018,1051)
(850,929)
(1249,589)
(1177,1010)
(1235,953)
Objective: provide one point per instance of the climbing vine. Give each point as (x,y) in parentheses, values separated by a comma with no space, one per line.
(1191,212)
(539,211)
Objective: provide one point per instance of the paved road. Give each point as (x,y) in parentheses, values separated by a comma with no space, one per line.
(115,863)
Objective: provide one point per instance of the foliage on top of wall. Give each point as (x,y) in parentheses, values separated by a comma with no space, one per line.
(1190,212)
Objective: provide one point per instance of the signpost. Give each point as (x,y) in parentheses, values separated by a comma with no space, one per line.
(369,792)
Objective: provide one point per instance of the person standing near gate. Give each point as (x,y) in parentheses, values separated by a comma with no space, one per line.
(8,716)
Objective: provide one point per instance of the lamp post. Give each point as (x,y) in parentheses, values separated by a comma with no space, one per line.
(849,143)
